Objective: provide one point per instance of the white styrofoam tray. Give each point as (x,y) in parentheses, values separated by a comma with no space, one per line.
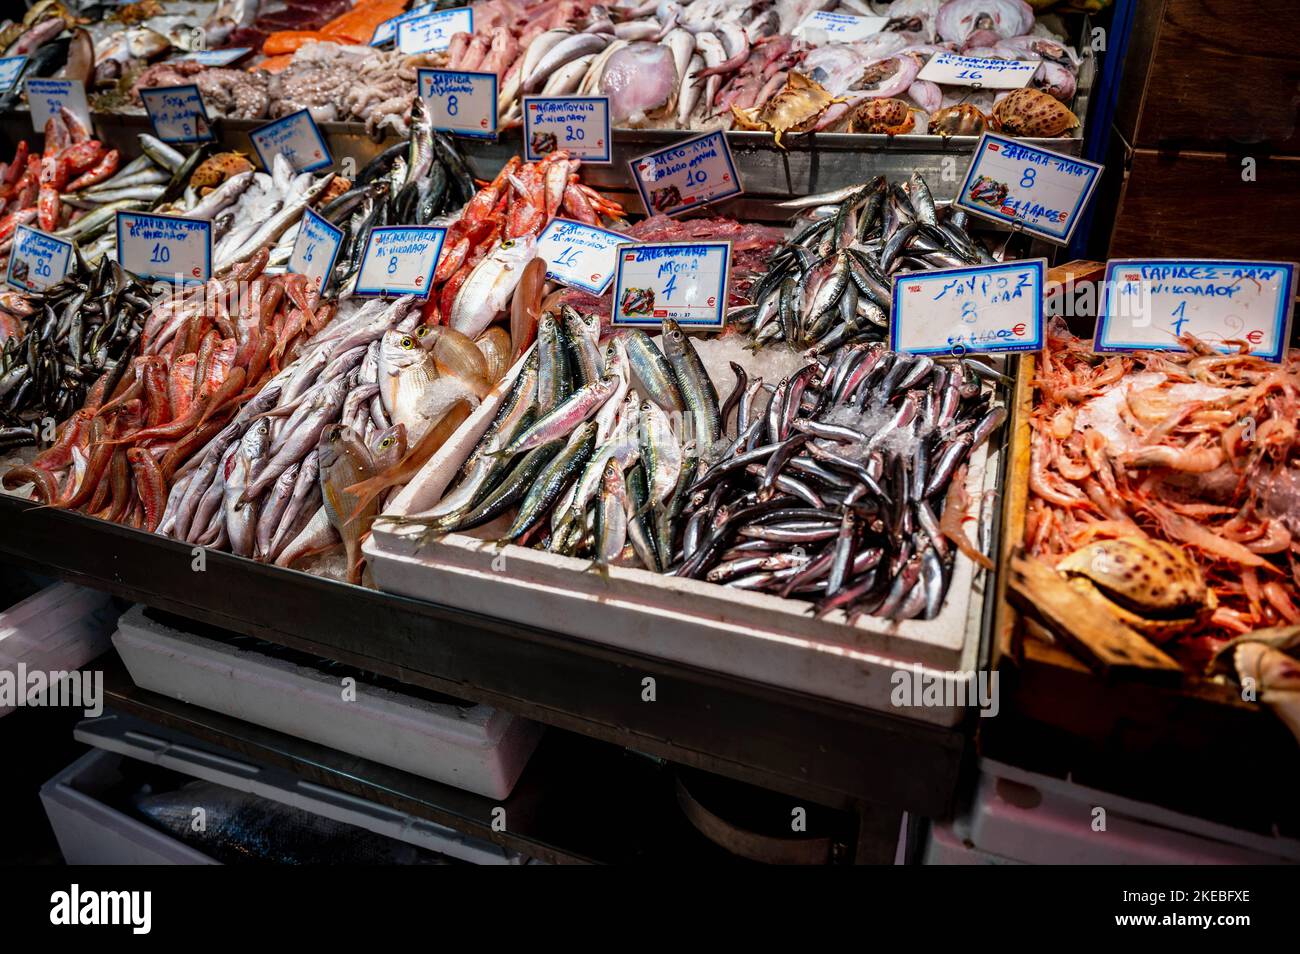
(753,635)
(474,747)
(59,629)
(122,736)
(1031,818)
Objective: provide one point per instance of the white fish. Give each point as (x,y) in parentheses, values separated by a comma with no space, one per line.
(486,292)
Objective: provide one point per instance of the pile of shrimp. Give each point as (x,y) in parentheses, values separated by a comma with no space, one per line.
(1197,448)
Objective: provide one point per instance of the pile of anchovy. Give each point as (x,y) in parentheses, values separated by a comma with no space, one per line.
(410,183)
(848,489)
(829,284)
(80,330)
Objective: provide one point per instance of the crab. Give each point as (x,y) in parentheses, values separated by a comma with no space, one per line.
(1151,586)
(1031,112)
(962,120)
(893,117)
(795,108)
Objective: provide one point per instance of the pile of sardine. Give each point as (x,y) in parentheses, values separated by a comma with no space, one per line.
(410,183)
(82,330)
(371,397)
(849,488)
(575,440)
(829,284)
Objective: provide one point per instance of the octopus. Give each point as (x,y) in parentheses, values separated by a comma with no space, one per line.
(234,93)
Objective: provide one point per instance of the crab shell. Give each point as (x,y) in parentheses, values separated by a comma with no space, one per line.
(893,117)
(1031,112)
(962,120)
(795,108)
(1151,586)
(217,169)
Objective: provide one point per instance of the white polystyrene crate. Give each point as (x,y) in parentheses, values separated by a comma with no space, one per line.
(127,737)
(749,634)
(61,628)
(474,747)
(1036,819)
(943,846)
(90,832)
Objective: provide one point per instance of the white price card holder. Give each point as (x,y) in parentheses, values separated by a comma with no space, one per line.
(985,308)
(577,124)
(297,137)
(578,255)
(177,113)
(400,260)
(952,69)
(386,32)
(316,249)
(433,31)
(1041,192)
(37,260)
(218,57)
(46,96)
(686,175)
(1149,303)
(822,26)
(11,67)
(684,282)
(463,103)
(165,247)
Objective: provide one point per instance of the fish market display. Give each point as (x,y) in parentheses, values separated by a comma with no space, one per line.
(80,334)
(411,183)
(203,352)
(1169,483)
(846,487)
(372,396)
(830,283)
(699,65)
(859,463)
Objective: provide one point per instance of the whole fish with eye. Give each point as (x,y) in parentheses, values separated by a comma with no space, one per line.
(345,460)
(413,390)
(830,284)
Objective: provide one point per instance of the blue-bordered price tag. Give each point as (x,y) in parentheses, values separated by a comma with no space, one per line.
(577,124)
(433,31)
(11,67)
(952,69)
(687,175)
(685,282)
(461,103)
(1031,189)
(400,260)
(218,57)
(46,96)
(297,137)
(986,308)
(165,247)
(177,113)
(37,260)
(578,255)
(386,32)
(316,249)
(1149,303)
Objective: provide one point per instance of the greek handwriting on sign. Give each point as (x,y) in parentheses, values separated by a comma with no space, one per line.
(686,283)
(577,124)
(165,247)
(955,310)
(400,260)
(316,249)
(952,69)
(579,255)
(1150,304)
(177,113)
(295,137)
(464,103)
(37,260)
(686,176)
